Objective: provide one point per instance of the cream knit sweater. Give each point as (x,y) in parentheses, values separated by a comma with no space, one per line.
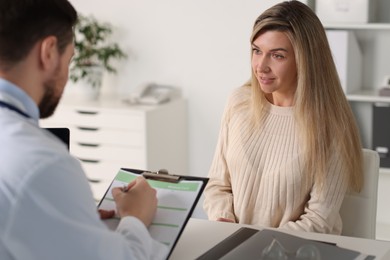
(256,176)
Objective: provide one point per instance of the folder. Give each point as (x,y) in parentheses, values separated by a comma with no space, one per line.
(247,243)
(177,197)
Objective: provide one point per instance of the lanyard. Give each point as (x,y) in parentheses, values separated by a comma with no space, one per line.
(13,108)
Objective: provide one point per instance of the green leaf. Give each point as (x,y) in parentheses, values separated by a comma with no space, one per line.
(92,48)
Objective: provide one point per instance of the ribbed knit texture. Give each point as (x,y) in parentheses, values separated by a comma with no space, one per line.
(257,175)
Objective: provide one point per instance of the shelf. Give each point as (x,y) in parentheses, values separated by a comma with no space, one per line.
(368,95)
(384,170)
(354,26)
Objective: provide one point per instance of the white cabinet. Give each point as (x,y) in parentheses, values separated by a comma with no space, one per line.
(109,134)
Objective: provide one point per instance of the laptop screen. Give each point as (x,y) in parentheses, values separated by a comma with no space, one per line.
(61,132)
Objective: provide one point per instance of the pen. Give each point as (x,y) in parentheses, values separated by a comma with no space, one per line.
(125,188)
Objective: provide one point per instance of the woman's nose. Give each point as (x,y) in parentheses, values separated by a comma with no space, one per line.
(265,69)
(263,66)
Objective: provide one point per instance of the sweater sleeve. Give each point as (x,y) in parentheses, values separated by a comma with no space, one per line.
(218,202)
(321,212)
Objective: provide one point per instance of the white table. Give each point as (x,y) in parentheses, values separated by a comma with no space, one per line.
(200,235)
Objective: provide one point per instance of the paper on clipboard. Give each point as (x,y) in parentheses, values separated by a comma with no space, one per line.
(176,202)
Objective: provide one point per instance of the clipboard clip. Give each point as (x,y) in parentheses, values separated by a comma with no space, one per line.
(161,175)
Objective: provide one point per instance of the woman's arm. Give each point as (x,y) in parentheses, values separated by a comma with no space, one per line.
(218,202)
(321,212)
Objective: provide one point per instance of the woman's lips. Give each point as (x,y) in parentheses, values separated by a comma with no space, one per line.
(266,80)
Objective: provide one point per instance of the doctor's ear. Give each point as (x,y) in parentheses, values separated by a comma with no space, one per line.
(49,54)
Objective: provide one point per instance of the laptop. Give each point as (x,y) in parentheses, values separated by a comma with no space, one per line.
(62,133)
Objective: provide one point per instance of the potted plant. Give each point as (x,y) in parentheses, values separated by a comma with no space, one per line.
(93,52)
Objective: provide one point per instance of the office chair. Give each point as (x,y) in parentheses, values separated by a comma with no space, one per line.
(358,210)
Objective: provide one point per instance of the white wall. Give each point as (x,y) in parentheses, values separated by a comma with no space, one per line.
(201,46)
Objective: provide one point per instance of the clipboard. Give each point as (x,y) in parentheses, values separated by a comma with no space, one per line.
(177,197)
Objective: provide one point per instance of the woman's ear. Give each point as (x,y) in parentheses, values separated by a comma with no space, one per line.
(49,55)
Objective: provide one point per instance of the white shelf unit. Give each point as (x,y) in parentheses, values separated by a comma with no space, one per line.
(374,42)
(353,26)
(109,134)
(368,95)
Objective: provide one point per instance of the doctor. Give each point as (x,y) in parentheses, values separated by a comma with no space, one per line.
(47,208)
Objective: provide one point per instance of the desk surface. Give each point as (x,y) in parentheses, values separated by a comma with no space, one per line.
(200,235)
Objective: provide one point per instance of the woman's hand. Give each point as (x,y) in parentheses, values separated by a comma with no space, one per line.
(226,220)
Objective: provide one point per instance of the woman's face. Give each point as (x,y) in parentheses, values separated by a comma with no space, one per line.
(273,63)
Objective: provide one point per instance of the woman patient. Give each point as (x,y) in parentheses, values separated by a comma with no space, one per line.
(289,147)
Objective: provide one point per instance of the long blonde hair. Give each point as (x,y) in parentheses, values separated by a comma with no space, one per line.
(325,120)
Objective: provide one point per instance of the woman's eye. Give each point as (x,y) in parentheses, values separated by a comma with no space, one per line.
(255,51)
(277,56)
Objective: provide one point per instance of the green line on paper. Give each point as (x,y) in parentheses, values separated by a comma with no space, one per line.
(165,225)
(181,186)
(165,243)
(172,208)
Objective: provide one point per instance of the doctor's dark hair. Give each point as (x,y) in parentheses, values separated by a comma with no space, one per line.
(324,117)
(23,23)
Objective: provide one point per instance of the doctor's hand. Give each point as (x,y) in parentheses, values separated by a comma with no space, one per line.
(138,199)
(106,214)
